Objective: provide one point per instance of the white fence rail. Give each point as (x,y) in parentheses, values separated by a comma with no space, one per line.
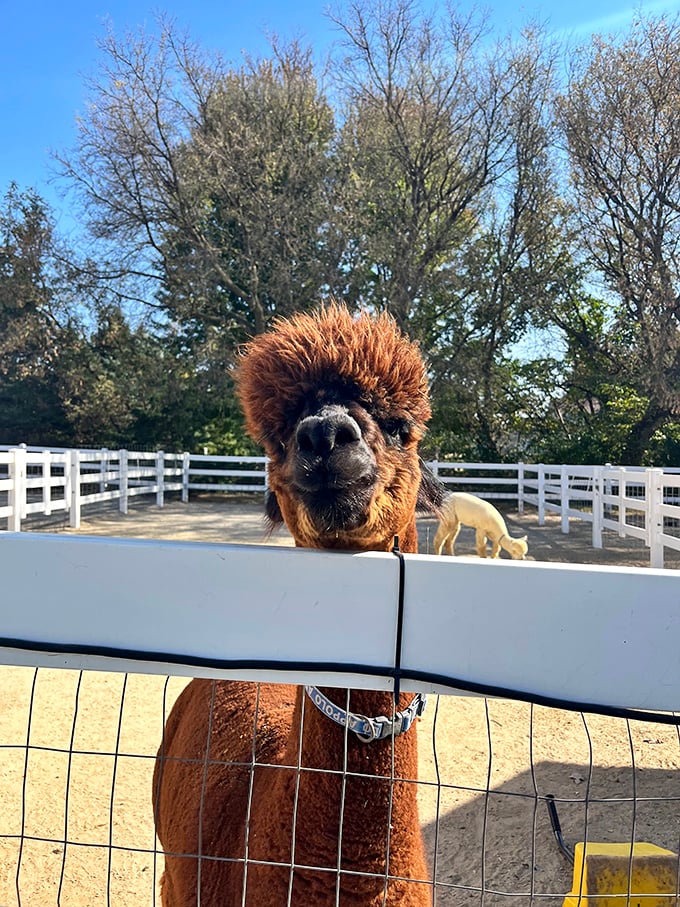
(631,501)
(250,619)
(493,481)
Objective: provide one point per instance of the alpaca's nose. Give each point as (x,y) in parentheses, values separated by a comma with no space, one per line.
(331,427)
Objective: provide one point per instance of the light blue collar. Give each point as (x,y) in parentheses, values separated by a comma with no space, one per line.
(368,729)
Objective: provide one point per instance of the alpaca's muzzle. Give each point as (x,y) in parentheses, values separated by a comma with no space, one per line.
(331,455)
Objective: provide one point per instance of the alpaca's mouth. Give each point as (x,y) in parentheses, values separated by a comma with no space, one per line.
(338,507)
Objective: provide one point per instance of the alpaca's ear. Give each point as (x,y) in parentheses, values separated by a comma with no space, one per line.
(431,492)
(272,510)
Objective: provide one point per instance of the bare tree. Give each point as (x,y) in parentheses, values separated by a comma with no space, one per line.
(426,134)
(206,180)
(621,119)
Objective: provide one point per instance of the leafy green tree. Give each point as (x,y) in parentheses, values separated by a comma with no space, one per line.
(419,145)
(483,305)
(72,369)
(33,324)
(122,387)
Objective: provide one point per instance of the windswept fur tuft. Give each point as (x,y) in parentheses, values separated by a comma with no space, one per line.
(361,376)
(364,357)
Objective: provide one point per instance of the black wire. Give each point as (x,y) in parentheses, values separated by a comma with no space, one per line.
(71,749)
(24,785)
(400,618)
(112,800)
(336,667)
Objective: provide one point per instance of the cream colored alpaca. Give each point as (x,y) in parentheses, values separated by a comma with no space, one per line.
(470,510)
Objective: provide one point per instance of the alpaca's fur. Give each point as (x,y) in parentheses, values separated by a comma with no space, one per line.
(339,405)
(469,510)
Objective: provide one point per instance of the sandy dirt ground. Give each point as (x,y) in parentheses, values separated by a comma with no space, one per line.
(76,758)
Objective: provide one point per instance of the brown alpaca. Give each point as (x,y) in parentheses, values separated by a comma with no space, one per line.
(339,405)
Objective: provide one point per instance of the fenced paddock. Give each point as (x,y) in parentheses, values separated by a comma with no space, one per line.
(78,735)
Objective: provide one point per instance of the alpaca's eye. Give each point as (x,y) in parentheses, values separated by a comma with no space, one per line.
(397,430)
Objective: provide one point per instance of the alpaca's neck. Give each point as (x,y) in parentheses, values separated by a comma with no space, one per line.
(367,538)
(354,795)
(345,806)
(347,809)
(407,537)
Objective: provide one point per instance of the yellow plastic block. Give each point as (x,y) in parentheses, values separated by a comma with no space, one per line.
(602,871)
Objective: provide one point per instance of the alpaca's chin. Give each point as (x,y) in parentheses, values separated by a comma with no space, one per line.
(334,511)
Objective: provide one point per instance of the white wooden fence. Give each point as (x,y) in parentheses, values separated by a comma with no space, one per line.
(42,481)
(631,501)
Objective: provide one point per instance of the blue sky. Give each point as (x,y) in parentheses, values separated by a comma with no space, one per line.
(47,47)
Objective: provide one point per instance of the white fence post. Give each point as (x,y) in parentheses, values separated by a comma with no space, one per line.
(123,480)
(160,477)
(103,466)
(24,480)
(73,468)
(520,487)
(654,515)
(186,462)
(17,490)
(622,506)
(541,494)
(47,481)
(597,505)
(564,500)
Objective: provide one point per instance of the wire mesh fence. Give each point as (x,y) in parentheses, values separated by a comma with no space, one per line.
(78,751)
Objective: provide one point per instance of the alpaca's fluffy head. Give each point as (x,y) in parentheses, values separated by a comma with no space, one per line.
(339,403)
(516,548)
